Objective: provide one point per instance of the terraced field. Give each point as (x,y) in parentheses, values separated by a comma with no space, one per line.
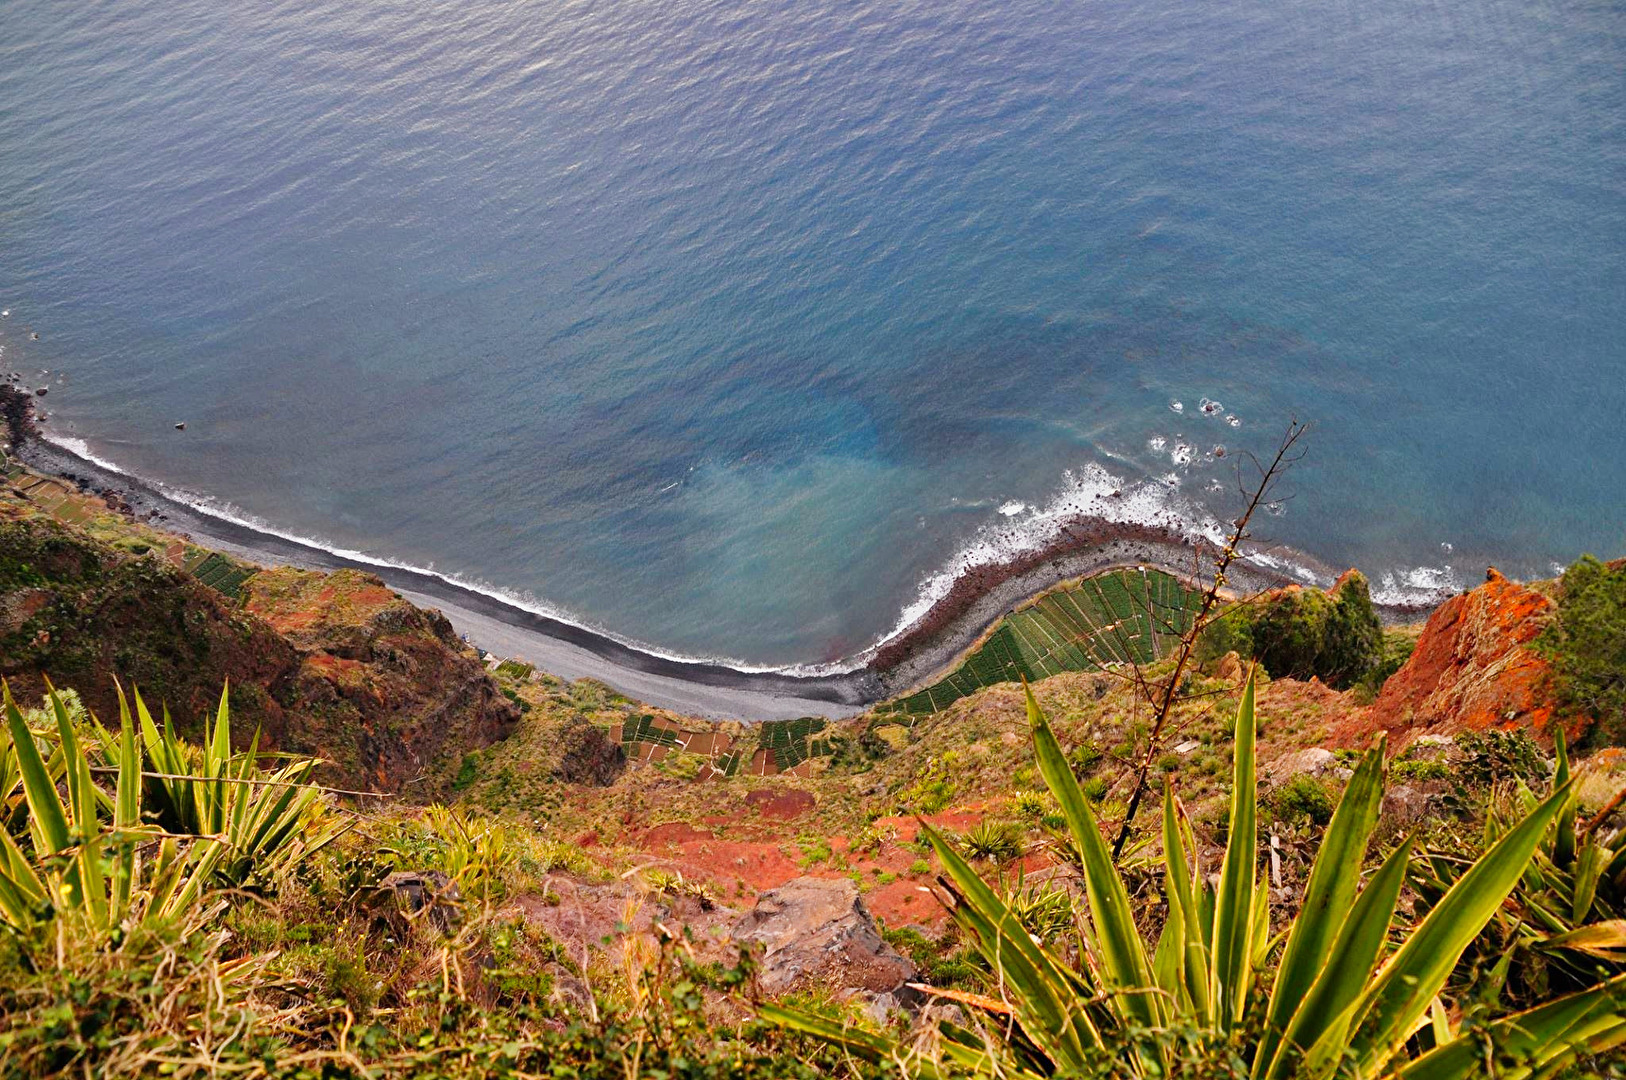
(1113,618)
(67,504)
(776,746)
(219,572)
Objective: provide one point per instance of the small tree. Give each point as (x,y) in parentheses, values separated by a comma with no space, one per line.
(1587,643)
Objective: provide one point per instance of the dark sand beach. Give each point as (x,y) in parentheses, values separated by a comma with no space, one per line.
(571,651)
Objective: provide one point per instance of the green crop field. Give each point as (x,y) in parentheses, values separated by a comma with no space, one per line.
(1113,618)
(221,574)
(645,729)
(792,742)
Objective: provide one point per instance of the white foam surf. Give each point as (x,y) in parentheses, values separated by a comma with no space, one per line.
(227,512)
(1415,586)
(1088,493)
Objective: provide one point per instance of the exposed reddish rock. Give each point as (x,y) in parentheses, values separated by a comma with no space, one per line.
(383,688)
(1474,668)
(816,932)
(332,665)
(780,805)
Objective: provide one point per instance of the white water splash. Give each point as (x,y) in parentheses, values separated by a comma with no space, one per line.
(1416,586)
(1090,492)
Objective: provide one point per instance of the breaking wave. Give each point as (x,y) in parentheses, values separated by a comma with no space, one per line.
(1090,492)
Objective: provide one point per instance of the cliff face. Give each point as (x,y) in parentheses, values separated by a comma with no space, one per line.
(1474,668)
(331,665)
(386,686)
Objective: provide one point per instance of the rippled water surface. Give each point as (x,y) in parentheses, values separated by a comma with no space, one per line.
(726,325)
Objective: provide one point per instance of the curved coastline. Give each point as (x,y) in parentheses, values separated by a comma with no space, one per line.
(978,597)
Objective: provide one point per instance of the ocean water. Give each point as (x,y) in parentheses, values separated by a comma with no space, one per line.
(730,327)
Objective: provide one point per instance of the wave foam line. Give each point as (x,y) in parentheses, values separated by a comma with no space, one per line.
(1093,492)
(223,511)
(1089,492)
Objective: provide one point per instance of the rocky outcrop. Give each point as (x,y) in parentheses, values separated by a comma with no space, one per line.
(83,612)
(383,688)
(1312,761)
(816,932)
(587,755)
(1474,668)
(332,665)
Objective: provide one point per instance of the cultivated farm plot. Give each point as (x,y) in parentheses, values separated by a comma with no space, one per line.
(1123,616)
(773,747)
(56,499)
(68,505)
(221,574)
(516,669)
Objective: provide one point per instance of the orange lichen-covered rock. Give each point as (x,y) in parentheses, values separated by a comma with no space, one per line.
(1475,667)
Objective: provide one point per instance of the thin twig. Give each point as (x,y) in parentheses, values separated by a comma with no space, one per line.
(1188,642)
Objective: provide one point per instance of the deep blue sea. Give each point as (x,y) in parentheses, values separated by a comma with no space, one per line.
(728,326)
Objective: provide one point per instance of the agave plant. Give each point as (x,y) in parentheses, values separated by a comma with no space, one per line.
(98,874)
(265,820)
(477,853)
(1343,1002)
(13,804)
(1565,921)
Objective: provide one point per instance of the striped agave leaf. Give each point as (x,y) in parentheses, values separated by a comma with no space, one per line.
(1338,1005)
(265,820)
(83,865)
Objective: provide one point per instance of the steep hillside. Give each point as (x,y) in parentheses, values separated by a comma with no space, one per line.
(333,665)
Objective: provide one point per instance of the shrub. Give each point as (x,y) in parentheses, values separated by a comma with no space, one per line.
(1231,631)
(1298,633)
(1397,649)
(468,771)
(1352,637)
(1421,770)
(932,790)
(1302,798)
(1586,644)
(1491,756)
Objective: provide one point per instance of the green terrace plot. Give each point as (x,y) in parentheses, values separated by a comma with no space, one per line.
(1119,617)
(790,742)
(217,571)
(51,496)
(777,746)
(646,729)
(516,669)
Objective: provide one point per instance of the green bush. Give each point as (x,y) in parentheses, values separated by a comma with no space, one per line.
(1231,632)
(468,771)
(1299,633)
(1586,644)
(1492,756)
(1302,798)
(1397,649)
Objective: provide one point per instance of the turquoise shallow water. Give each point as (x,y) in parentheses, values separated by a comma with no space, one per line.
(728,327)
